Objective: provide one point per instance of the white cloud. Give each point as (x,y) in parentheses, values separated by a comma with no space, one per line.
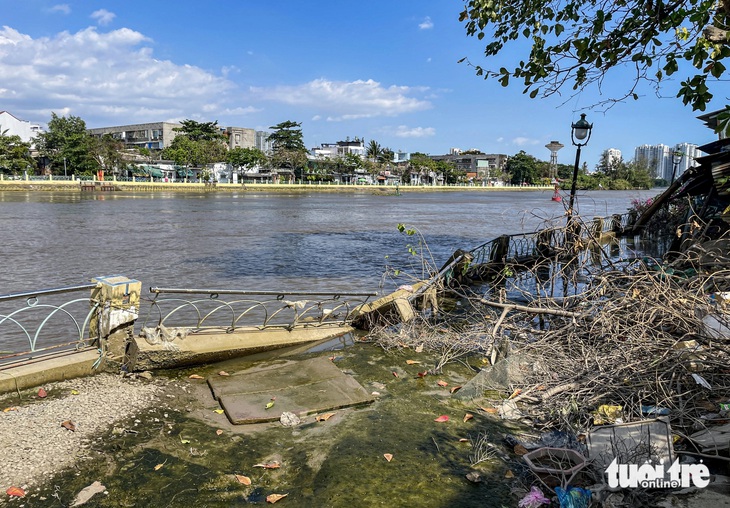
(62,8)
(348,100)
(105,78)
(522,141)
(103,17)
(403,131)
(426,24)
(500,139)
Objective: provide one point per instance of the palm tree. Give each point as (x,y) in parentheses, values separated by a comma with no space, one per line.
(374,150)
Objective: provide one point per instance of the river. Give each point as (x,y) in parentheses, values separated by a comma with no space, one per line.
(257,241)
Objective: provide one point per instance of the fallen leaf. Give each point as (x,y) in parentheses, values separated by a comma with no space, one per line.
(223,373)
(158,466)
(68,424)
(195,376)
(15,492)
(74,392)
(474,477)
(423,374)
(269,405)
(243,479)
(184,441)
(269,465)
(520,450)
(490,410)
(273,498)
(85,495)
(509,474)
(412,362)
(388,456)
(219,432)
(219,411)
(11,408)
(468,416)
(331,358)
(442,383)
(463,440)
(419,348)
(324,417)
(395,373)
(455,389)
(42,393)
(442,418)
(515,394)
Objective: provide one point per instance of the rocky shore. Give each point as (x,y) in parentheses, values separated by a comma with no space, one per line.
(40,436)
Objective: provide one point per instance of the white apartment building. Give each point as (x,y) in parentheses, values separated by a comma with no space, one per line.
(12,126)
(661,158)
(339,149)
(614,156)
(689,153)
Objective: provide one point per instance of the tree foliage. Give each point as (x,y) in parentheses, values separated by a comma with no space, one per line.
(245,158)
(200,131)
(14,154)
(287,136)
(523,168)
(67,140)
(575,43)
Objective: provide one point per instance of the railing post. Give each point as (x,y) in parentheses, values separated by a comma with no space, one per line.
(616,223)
(117,298)
(597,226)
(500,249)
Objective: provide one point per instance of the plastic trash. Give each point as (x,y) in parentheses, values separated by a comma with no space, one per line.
(533,499)
(573,497)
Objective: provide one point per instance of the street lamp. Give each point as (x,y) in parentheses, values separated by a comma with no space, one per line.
(64,168)
(676,159)
(580,131)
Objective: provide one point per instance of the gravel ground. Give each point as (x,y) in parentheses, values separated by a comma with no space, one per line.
(34,444)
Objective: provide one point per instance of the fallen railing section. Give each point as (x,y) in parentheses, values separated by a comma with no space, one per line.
(229,310)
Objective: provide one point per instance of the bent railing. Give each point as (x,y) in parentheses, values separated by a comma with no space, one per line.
(228,310)
(46,321)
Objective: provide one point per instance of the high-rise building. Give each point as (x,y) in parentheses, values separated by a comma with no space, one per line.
(689,153)
(658,158)
(613,156)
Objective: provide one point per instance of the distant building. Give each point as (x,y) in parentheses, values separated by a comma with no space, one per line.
(689,153)
(339,149)
(658,158)
(155,136)
(263,142)
(478,166)
(12,126)
(240,137)
(613,156)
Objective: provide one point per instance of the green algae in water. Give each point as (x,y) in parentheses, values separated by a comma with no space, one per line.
(333,463)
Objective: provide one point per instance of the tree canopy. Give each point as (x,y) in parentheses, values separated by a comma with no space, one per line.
(576,43)
(200,131)
(67,140)
(14,154)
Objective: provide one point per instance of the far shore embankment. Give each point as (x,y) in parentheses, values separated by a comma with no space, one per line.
(128,186)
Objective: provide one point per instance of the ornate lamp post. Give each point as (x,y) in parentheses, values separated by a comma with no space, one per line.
(676,159)
(580,133)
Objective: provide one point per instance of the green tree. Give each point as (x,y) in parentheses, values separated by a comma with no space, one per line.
(577,43)
(373,150)
(15,155)
(523,168)
(245,158)
(66,143)
(201,131)
(288,147)
(107,152)
(187,152)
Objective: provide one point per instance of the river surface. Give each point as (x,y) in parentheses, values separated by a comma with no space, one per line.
(257,241)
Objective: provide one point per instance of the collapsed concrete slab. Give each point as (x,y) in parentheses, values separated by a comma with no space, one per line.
(263,393)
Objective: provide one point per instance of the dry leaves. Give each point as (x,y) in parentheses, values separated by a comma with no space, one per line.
(442,418)
(468,416)
(195,376)
(388,456)
(455,389)
(223,373)
(159,466)
(520,450)
(273,498)
(42,393)
(11,408)
(442,383)
(490,410)
(219,432)
(509,474)
(15,492)
(324,417)
(243,479)
(395,373)
(69,425)
(412,362)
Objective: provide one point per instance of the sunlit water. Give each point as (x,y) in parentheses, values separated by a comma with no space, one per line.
(255,241)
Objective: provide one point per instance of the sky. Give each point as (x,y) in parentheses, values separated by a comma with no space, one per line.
(383,71)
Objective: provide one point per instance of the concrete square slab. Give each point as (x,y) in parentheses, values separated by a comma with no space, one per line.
(299,387)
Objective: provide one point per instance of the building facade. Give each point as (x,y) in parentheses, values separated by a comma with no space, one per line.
(657,158)
(480,166)
(263,142)
(155,136)
(240,137)
(689,153)
(13,126)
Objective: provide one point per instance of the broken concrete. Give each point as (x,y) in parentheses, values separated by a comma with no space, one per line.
(264,393)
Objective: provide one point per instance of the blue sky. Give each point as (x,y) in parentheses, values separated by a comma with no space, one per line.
(378,70)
